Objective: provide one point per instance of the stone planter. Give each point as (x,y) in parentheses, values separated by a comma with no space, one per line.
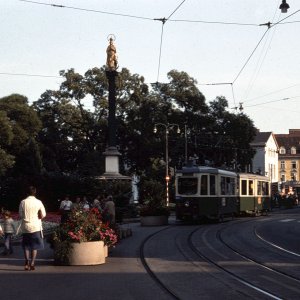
(86,254)
(154,220)
(105,250)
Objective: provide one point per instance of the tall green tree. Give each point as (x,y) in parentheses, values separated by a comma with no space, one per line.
(21,125)
(6,133)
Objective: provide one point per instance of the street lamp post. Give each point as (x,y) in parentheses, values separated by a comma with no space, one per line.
(167,127)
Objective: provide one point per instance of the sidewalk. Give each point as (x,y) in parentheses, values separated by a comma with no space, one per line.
(121,277)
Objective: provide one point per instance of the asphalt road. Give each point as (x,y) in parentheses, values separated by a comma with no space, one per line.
(169,257)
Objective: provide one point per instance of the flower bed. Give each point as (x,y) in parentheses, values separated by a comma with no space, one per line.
(50,223)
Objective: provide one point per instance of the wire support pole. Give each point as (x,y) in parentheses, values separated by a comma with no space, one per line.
(167,127)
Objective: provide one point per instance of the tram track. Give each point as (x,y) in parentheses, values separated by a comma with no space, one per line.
(172,287)
(149,270)
(280,275)
(230,273)
(206,248)
(259,263)
(203,268)
(274,245)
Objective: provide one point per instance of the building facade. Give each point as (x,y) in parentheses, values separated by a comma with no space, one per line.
(289,156)
(265,161)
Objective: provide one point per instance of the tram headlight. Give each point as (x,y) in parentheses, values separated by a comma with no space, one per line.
(187,203)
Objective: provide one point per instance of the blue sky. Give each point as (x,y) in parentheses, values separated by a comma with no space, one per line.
(39,39)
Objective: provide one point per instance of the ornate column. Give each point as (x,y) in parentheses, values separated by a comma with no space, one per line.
(111,153)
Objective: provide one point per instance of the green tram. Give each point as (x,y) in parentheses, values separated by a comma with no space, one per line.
(254,194)
(207,192)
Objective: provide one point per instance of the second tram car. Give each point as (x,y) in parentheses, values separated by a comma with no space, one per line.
(207,192)
(254,194)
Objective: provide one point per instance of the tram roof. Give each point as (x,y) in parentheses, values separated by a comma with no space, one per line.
(204,169)
(253,175)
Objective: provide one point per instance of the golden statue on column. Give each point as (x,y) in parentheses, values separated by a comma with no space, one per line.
(111,51)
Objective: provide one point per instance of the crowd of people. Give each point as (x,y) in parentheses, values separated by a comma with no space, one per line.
(32,211)
(105,205)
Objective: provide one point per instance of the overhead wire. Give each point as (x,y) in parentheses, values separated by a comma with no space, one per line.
(160,48)
(274,92)
(29,75)
(248,59)
(164,20)
(87,10)
(214,22)
(280,22)
(271,101)
(262,56)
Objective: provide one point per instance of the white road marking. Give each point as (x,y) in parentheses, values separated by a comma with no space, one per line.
(287,220)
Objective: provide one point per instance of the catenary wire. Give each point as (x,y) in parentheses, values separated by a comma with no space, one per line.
(151,19)
(175,10)
(271,101)
(274,92)
(262,57)
(163,21)
(160,48)
(29,75)
(295,12)
(87,10)
(146,18)
(237,76)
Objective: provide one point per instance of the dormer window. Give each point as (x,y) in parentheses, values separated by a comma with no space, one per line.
(293,150)
(282,150)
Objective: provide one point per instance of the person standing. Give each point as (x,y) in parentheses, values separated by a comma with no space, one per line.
(110,210)
(65,209)
(8,230)
(85,203)
(31,211)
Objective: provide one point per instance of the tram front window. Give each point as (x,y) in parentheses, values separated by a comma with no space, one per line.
(187,186)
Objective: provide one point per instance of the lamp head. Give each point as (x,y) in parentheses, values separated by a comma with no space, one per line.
(284,6)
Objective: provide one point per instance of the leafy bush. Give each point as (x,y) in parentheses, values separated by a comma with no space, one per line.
(153,196)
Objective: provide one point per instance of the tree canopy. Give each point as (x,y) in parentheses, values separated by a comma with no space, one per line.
(64,132)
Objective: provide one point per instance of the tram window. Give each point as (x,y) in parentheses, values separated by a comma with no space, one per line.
(227,186)
(204,182)
(265,188)
(223,186)
(250,187)
(244,187)
(212,185)
(187,186)
(230,183)
(259,188)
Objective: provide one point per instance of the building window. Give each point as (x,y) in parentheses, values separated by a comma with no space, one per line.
(293,150)
(282,165)
(293,176)
(282,150)
(282,177)
(294,164)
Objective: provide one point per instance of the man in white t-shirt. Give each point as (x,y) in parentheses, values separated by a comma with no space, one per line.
(31,212)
